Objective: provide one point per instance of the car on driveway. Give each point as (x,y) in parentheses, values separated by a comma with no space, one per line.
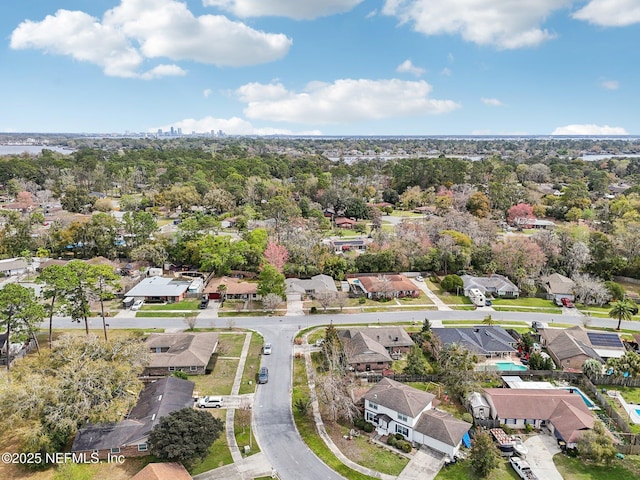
(567,303)
(210,402)
(266,350)
(137,305)
(537,326)
(263,375)
(488,303)
(420,278)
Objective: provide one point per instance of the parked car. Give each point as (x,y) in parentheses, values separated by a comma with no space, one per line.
(263,375)
(266,350)
(210,402)
(567,303)
(419,278)
(537,326)
(204,303)
(137,305)
(488,303)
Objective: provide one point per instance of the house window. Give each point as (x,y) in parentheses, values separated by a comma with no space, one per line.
(402,417)
(172,369)
(402,430)
(371,417)
(142,447)
(373,406)
(193,369)
(158,349)
(510,421)
(115,450)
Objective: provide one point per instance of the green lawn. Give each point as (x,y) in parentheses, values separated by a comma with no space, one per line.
(421,300)
(230,344)
(462,471)
(183,305)
(242,430)
(219,454)
(524,302)
(576,469)
(220,381)
(252,363)
(506,308)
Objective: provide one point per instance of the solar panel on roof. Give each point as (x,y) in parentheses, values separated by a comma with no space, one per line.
(604,340)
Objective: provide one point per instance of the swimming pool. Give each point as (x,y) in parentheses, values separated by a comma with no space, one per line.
(638,411)
(507,366)
(590,405)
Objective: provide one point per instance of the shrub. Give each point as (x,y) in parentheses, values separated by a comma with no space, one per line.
(181,374)
(405,446)
(452,283)
(368,427)
(466,416)
(313,310)
(359,423)
(391,440)
(362,300)
(399,436)
(528,428)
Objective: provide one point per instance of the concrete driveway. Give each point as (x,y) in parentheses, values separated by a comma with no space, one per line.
(424,465)
(542,448)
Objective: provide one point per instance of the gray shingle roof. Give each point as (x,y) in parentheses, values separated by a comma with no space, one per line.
(159,287)
(483,340)
(442,426)
(185,349)
(399,397)
(156,400)
(494,283)
(361,349)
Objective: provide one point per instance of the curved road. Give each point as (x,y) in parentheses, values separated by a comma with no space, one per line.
(273,422)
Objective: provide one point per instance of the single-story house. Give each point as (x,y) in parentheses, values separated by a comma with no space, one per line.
(160,289)
(373,348)
(560,410)
(542,224)
(488,341)
(13,266)
(570,348)
(619,187)
(344,222)
(311,286)
(129,437)
(163,471)
(397,408)
(373,285)
(184,351)
(234,289)
(354,244)
(558,286)
(231,222)
(496,285)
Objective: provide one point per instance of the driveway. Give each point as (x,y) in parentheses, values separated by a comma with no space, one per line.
(542,448)
(424,465)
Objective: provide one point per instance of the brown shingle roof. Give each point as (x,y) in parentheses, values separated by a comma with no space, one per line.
(163,471)
(570,421)
(399,397)
(380,283)
(362,349)
(185,349)
(235,286)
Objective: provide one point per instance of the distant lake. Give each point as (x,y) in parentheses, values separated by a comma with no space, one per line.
(31,149)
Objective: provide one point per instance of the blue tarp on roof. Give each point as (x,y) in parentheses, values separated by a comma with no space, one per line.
(466,440)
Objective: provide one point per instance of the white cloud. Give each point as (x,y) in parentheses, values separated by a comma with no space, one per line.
(610,84)
(207,92)
(492,102)
(296,9)
(447,72)
(138,30)
(346,100)
(408,67)
(589,129)
(507,24)
(610,13)
(230,126)
(164,71)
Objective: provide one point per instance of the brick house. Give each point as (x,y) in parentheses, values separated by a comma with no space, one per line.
(130,436)
(377,286)
(184,351)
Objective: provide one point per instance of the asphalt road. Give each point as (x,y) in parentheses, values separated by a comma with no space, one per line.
(273,422)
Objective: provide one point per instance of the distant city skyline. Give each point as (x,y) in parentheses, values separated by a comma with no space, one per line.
(322,67)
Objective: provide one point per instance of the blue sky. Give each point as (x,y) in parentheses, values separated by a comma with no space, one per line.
(326,67)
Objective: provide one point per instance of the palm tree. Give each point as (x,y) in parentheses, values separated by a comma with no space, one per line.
(591,367)
(621,310)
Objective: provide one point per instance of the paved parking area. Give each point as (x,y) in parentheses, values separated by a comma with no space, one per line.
(542,448)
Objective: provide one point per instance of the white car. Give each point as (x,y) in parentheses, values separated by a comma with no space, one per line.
(137,305)
(419,278)
(266,350)
(210,402)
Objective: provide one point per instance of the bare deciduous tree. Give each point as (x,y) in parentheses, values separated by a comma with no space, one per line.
(334,396)
(590,290)
(325,299)
(191,321)
(271,301)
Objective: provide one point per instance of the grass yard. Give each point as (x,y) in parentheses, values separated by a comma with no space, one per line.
(252,364)
(219,454)
(524,302)
(183,305)
(242,431)
(230,344)
(462,470)
(421,300)
(161,314)
(220,381)
(506,308)
(364,453)
(576,469)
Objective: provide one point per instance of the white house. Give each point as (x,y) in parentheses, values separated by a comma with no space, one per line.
(397,408)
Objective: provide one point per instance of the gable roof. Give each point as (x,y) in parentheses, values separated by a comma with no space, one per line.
(185,349)
(442,426)
(494,283)
(163,471)
(156,400)
(362,349)
(556,284)
(482,339)
(388,337)
(399,397)
(316,284)
(569,343)
(385,283)
(570,421)
(235,286)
